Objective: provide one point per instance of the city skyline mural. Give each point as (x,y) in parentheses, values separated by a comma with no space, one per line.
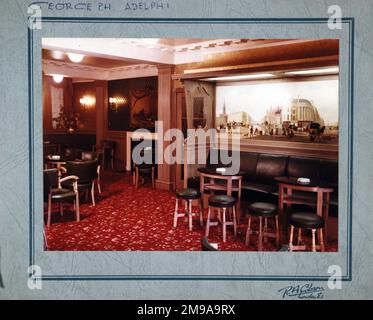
(302,111)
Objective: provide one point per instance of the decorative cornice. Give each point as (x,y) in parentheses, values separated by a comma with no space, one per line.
(75,70)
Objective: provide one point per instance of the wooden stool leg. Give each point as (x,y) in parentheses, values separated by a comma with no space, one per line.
(49,210)
(291,238)
(93,194)
(77,209)
(112,159)
(208,223)
(200,212)
(137,177)
(277,233)
(260,238)
(153,180)
(313,240)
(190,214)
(224,225)
(299,236)
(265,230)
(321,240)
(175,213)
(61,208)
(234,221)
(248,232)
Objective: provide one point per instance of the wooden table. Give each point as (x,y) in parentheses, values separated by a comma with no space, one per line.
(322,189)
(211,174)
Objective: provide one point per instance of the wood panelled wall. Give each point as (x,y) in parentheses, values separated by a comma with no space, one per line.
(72,93)
(87,114)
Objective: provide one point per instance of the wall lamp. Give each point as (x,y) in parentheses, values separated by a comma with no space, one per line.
(114,102)
(87,101)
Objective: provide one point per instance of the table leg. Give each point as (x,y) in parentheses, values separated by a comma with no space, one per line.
(319,210)
(281,195)
(238,206)
(326,215)
(201,189)
(229,186)
(281,198)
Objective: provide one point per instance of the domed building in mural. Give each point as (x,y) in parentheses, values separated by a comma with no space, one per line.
(302,113)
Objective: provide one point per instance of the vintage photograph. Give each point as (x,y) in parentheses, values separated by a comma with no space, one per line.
(279,98)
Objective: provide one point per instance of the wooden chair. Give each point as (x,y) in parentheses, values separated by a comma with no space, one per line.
(88,173)
(142,171)
(54,192)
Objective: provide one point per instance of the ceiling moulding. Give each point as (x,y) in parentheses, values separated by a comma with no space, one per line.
(128,49)
(286,65)
(96,73)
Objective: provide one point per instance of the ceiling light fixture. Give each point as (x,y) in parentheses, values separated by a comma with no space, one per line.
(243,77)
(314,71)
(75,57)
(57,78)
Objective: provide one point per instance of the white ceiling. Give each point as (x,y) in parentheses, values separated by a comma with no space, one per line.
(144,53)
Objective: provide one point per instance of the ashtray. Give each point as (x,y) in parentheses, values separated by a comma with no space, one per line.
(304,180)
(220,170)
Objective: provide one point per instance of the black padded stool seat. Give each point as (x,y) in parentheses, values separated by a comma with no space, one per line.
(306,220)
(145,168)
(263,209)
(222,201)
(188,194)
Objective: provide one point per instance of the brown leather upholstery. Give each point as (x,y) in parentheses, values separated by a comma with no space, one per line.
(261,169)
(304,167)
(248,163)
(270,166)
(329,170)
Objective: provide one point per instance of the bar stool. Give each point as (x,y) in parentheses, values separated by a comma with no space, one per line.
(222,202)
(143,170)
(188,195)
(306,220)
(262,210)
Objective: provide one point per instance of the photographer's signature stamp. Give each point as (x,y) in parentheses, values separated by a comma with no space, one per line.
(304,291)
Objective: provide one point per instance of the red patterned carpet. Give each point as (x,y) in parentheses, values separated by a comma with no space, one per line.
(126,218)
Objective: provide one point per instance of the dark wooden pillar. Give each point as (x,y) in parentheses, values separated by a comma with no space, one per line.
(101,107)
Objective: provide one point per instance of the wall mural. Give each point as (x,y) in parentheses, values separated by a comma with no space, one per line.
(304,111)
(142,110)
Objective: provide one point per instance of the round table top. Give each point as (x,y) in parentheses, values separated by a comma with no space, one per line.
(314,183)
(212,171)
